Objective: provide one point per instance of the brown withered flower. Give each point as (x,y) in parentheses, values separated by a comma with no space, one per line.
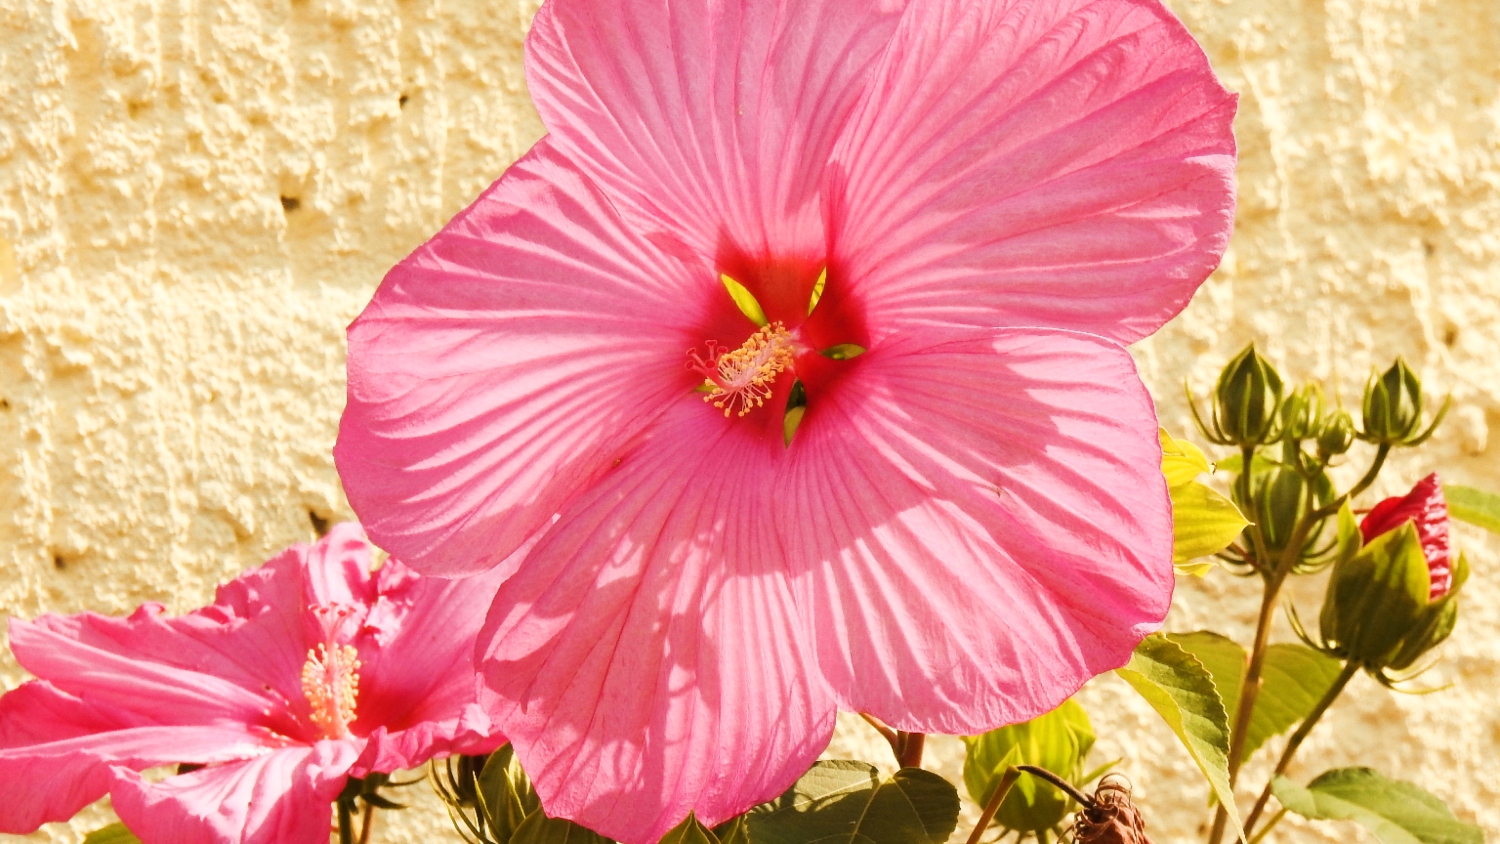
(1110,818)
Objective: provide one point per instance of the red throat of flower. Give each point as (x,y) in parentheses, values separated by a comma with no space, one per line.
(1426,508)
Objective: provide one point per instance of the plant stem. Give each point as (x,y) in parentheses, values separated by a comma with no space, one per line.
(346,822)
(367,824)
(1275,819)
(1350,669)
(885,731)
(909,752)
(1007,780)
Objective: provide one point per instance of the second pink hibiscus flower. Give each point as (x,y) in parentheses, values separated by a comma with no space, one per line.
(949,215)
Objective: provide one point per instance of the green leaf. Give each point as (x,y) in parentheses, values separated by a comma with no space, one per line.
(1182,691)
(1181,461)
(690,831)
(1474,506)
(842,802)
(1293,679)
(736,830)
(1203,522)
(115,833)
(506,797)
(1395,812)
(744,300)
(540,829)
(843,351)
(1057,741)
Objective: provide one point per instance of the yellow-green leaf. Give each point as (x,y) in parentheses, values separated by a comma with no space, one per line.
(1181,461)
(115,833)
(1395,812)
(1182,692)
(1203,522)
(1474,506)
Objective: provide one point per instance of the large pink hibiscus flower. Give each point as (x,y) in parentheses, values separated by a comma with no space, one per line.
(302,673)
(950,214)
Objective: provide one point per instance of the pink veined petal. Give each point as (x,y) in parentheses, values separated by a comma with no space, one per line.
(979,526)
(281,797)
(1059,163)
(647,657)
(709,122)
(56,752)
(499,366)
(94,657)
(419,689)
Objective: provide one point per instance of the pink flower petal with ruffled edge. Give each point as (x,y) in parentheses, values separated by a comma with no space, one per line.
(498,367)
(222,686)
(1062,163)
(708,123)
(56,752)
(1427,510)
(978,526)
(281,797)
(648,657)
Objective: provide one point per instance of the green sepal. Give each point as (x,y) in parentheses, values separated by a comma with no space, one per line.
(1395,812)
(744,300)
(505,795)
(540,829)
(690,831)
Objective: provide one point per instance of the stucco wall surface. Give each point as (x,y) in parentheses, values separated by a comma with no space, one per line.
(197,195)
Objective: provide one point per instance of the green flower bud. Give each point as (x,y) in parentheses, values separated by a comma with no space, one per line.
(1302,413)
(1246,400)
(1057,741)
(1393,408)
(1381,611)
(1337,435)
(1279,495)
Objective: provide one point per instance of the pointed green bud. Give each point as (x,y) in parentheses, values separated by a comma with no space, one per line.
(1302,413)
(1247,400)
(1337,435)
(1279,495)
(1057,741)
(1392,408)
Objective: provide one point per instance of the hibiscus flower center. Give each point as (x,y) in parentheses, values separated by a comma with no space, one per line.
(330,682)
(739,381)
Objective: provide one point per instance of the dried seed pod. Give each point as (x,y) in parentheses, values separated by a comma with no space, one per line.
(1111,818)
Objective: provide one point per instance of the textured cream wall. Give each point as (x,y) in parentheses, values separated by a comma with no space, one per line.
(197,195)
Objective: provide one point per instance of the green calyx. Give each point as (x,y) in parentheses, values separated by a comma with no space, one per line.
(1392,408)
(1378,613)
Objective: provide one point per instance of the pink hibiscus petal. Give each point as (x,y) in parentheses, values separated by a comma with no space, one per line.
(709,123)
(648,658)
(495,367)
(980,526)
(1060,163)
(70,653)
(420,686)
(56,751)
(280,797)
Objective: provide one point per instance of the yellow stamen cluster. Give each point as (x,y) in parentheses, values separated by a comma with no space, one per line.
(741,379)
(330,682)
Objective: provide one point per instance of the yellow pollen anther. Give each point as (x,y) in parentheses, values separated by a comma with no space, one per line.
(740,381)
(330,682)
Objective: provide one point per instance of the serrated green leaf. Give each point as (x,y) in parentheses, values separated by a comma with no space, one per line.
(1294,678)
(1181,690)
(1474,506)
(540,829)
(1203,522)
(506,797)
(115,833)
(1395,812)
(690,831)
(1181,461)
(842,802)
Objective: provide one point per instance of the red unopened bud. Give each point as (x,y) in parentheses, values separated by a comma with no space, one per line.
(1427,510)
